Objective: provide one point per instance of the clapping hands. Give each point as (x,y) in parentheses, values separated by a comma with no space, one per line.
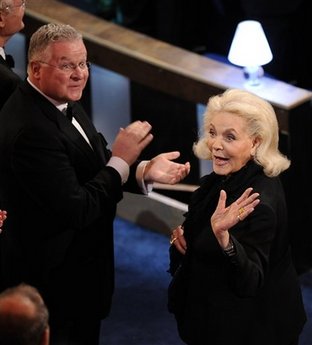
(161,169)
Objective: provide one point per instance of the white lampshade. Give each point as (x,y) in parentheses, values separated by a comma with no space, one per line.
(250,46)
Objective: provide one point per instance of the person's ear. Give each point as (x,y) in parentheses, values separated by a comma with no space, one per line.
(35,67)
(255,144)
(45,337)
(2,20)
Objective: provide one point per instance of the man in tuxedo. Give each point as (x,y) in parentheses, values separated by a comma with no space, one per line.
(11,22)
(59,173)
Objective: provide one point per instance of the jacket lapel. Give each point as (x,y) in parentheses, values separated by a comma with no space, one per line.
(98,151)
(97,140)
(56,116)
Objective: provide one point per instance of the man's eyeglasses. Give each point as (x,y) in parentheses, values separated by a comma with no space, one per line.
(21,4)
(69,67)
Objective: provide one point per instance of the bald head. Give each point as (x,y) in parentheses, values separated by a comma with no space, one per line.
(23,316)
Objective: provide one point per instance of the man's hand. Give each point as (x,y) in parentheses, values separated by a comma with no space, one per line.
(161,169)
(131,141)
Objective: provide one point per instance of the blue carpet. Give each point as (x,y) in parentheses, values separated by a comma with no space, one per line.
(139,314)
(306,286)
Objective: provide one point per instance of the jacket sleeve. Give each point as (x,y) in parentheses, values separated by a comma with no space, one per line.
(253,244)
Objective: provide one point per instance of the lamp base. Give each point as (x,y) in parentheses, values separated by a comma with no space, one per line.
(253,75)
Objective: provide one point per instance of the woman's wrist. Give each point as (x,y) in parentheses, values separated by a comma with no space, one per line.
(229,250)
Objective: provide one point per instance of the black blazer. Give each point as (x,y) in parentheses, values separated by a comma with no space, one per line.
(61,200)
(8,81)
(253,298)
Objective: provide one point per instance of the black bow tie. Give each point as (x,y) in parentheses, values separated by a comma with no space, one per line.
(9,60)
(68,112)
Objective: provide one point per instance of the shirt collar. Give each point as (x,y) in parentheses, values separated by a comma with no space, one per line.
(2,53)
(59,106)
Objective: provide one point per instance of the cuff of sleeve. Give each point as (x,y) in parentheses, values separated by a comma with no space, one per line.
(145,187)
(121,166)
(230,249)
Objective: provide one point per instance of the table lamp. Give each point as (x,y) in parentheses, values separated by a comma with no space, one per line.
(250,49)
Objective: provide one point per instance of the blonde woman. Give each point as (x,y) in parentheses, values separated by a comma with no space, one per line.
(233,277)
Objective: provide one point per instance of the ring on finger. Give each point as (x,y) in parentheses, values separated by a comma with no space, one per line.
(241,211)
(173,239)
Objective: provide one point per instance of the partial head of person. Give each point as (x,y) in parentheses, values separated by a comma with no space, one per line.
(239,126)
(11,19)
(24,318)
(57,62)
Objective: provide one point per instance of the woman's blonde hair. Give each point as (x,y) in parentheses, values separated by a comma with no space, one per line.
(261,123)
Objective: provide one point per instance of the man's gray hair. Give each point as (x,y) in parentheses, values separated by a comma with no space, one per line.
(48,34)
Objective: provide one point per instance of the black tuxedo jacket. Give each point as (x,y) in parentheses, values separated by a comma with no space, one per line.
(8,81)
(61,200)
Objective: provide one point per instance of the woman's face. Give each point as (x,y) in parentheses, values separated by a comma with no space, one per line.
(229,143)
